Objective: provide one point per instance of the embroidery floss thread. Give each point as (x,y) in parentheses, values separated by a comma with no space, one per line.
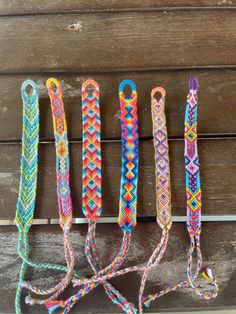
(163,192)
(128,201)
(194,204)
(63,193)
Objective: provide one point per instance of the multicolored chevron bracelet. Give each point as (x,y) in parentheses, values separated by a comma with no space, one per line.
(63,193)
(128,194)
(163,193)
(193,193)
(28,180)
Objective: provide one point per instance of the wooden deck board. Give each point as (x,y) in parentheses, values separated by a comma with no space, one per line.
(112,41)
(70,6)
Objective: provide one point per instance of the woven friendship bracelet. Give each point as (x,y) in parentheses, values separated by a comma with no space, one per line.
(28,184)
(92,181)
(63,193)
(163,199)
(28,180)
(163,191)
(92,192)
(128,190)
(194,204)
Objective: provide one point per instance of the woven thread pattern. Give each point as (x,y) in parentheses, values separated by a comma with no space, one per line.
(91,156)
(193,195)
(128,192)
(29,158)
(163,191)
(63,194)
(28,180)
(62,154)
(129,177)
(92,182)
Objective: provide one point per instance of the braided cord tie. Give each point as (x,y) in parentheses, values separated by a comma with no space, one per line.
(128,200)
(194,204)
(63,193)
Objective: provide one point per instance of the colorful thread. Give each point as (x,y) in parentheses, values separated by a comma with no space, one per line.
(128,201)
(63,193)
(194,204)
(163,193)
(28,180)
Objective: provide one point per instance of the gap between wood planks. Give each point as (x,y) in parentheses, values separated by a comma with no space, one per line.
(77,221)
(120,71)
(124,10)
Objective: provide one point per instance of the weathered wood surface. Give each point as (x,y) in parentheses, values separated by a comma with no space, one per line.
(218,248)
(216,111)
(153,43)
(117,41)
(70,6)
(218,176)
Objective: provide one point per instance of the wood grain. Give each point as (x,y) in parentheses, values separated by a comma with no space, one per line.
(218,248)
(218,173)
(122,41)
(216,111)
(70,6)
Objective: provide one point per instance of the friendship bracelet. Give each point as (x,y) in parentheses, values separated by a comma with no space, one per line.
(63,193)
(194,204)
(163,190)
(28,184)
(28,180)
(92,191)
(163,193)
(92,182)
(128,196)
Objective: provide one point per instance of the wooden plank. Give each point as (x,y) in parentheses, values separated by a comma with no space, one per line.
(70,6)
(218,176)
(218,248)
(216,102)
(109,41)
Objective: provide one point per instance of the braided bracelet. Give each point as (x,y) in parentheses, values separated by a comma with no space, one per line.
(128,199)
(92,189)
(92,182)
(163,193)
(193,193)
(28,180)
(28,184)
(63,193)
